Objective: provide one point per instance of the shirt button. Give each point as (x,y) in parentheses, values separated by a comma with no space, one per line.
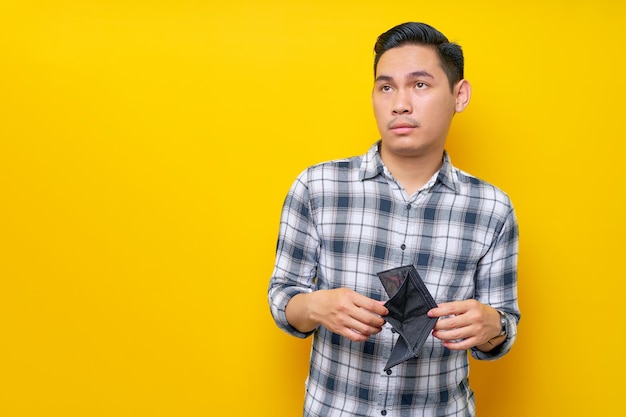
(403,246)
(384,412)
(408,206)
(389,371)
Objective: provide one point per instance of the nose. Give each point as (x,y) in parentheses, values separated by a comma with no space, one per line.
(402,103)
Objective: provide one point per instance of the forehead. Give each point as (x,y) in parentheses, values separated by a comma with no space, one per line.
(409,58)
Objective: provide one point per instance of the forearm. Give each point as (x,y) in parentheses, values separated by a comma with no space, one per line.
(298,312)
(500,345)
(340,310)
(494,323)
(492,343)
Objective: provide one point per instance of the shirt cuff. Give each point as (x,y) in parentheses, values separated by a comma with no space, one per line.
(278,311)
(502,349)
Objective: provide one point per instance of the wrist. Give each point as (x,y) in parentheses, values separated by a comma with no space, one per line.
(504,330)
(500,337)
(300,312)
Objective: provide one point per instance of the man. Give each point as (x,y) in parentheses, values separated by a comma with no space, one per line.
(402,203)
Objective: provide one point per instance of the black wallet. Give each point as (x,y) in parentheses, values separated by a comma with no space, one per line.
(409,301)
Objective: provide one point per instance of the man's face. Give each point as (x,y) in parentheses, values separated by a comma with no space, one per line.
(413,104)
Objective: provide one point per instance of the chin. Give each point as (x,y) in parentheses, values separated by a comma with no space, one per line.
(416,151)
(404,146)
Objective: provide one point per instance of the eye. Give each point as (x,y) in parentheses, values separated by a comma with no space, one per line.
(420,85)
(385,88)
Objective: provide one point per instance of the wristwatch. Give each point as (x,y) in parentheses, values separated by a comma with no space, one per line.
(504,323)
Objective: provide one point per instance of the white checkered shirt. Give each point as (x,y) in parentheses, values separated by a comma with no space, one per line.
(343,222)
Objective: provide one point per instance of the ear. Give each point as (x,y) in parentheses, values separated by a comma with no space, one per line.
(462,92)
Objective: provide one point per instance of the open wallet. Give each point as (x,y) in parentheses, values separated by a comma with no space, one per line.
(409,301)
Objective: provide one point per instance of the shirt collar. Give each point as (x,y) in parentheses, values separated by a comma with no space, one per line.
(447,173)
(372,166)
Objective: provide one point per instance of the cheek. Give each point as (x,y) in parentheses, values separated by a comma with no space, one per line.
(378,112)
(440,109)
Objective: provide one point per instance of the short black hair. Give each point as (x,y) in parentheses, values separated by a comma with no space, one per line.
(415,33)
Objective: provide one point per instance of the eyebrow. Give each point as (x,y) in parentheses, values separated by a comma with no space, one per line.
(409,76)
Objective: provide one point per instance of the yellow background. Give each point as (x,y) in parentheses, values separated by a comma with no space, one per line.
(146,148)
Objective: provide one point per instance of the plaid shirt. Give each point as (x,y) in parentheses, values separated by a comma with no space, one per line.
(343,222)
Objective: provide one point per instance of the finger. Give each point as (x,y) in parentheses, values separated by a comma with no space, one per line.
(444,309)
(454,322)
(364,329)
(452,308)
(358,332)
(443,324)
(368,318)
(373,306)
(461,344)
(354,335)
(450,335)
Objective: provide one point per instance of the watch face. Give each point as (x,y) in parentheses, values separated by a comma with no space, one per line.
(503,322)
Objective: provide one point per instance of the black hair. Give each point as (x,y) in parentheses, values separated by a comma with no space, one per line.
(414,33)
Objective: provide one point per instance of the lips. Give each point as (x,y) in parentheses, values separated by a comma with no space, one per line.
(402,125)
(402,128)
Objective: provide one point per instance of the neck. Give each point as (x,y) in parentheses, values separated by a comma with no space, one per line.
(412,172)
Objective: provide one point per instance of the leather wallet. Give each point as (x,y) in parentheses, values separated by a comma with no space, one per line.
(409,301)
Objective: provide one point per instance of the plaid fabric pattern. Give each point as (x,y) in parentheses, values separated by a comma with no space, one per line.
(343,222)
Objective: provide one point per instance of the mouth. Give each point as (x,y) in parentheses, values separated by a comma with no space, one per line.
(402,128)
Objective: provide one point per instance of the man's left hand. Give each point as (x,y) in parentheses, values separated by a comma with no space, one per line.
(467,324)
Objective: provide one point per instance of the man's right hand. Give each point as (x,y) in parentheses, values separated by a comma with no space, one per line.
(342,311)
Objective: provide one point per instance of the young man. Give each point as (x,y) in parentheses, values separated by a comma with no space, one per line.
(402,203)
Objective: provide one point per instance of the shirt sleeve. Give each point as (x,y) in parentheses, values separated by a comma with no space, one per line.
(496,283)
(297,254)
